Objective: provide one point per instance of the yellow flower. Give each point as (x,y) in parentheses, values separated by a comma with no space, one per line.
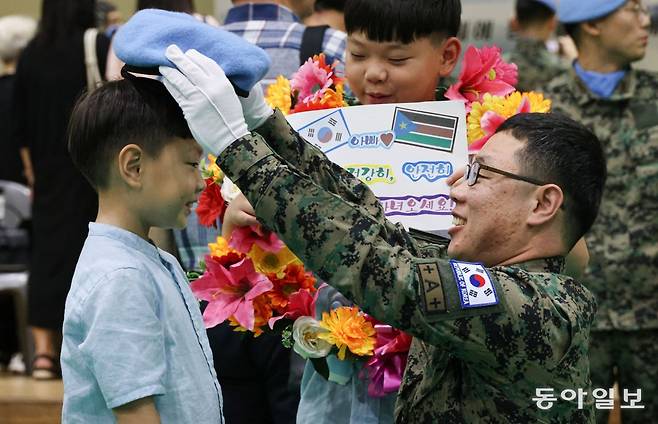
(220,248)
(272,262)
(278,95)
(537,103)
(211,170)
(348,329)
(478,109)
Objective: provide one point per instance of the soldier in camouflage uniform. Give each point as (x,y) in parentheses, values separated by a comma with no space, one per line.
(471,361)
(620,105)
(535,23)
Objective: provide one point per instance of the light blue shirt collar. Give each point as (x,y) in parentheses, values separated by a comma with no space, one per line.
(129,238)
(601,84)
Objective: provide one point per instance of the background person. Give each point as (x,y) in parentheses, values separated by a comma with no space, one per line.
(327,12)
(619,103)
(534,24)
(274,26)
(15,32)
(50,76)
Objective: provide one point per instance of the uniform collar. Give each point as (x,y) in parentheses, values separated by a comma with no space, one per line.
(526,42)
(600,83)
(260,12)
(624,91)
(553,264)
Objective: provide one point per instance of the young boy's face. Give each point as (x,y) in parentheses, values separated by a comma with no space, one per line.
(171,183)
(392,72)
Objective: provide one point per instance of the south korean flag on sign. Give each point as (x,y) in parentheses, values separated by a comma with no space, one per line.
(328,132)
(474,285)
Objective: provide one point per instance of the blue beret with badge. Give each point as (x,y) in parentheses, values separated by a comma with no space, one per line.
(141,43)
(574,11)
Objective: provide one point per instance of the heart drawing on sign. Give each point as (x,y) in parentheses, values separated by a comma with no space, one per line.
(386,138)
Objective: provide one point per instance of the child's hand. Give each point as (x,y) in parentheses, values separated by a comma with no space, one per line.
(207,98)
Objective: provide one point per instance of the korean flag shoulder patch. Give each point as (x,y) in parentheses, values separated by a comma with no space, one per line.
(474,285)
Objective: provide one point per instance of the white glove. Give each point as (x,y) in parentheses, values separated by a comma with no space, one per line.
(256,110)
(207,98)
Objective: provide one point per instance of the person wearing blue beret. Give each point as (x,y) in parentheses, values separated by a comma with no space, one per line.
(619,103)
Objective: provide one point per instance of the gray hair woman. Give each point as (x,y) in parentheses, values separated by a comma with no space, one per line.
(15,32)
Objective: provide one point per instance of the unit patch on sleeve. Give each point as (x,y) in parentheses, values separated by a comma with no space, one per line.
(431,288)
(474,285)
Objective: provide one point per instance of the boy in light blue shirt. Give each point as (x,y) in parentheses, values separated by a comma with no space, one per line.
(134,345)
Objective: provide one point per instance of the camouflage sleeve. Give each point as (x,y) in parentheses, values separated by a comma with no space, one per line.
(308,159)
(360,255)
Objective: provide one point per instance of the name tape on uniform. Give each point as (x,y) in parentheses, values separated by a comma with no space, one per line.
(431,288)
(474,285)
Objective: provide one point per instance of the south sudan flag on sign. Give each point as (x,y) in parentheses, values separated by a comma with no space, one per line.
(425,129)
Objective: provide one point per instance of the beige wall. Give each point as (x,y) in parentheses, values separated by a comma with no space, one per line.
(127,7)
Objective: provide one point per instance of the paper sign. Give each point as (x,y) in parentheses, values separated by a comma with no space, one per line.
(404,152)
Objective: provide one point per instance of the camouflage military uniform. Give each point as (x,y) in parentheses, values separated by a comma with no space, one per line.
(477,365)
(537,66)
(623,244)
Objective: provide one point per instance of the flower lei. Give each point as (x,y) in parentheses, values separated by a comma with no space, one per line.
(257,284)
(314,86)
(486,84)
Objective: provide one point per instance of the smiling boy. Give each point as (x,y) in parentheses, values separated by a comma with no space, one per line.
(397,51)
(134,344)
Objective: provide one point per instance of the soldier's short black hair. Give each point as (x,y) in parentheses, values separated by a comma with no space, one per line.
(321,5)
(403,20)
(564,152)
(529,12)
(130,111)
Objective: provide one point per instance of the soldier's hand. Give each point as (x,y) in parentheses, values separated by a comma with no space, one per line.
(207,98)
(239,213)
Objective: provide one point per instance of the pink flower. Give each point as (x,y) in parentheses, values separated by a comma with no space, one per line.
(386,367)
(230,292)
(311,80)
(300,304)
(483,71)
(243,238)
(490,122)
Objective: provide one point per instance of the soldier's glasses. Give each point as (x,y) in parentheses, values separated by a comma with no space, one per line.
(638,8)
(473,172)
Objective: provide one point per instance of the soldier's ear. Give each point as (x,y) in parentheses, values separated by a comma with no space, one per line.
(546,202)
(591,28)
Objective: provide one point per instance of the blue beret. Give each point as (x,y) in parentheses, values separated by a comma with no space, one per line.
(141,43)
(574,11)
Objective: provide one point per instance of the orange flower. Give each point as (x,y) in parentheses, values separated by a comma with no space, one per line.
(223,253)
(262,314)
(294,278)
(348,329)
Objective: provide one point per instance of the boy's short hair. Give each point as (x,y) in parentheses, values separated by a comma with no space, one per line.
(403,20)
(130,111)
(564,152)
